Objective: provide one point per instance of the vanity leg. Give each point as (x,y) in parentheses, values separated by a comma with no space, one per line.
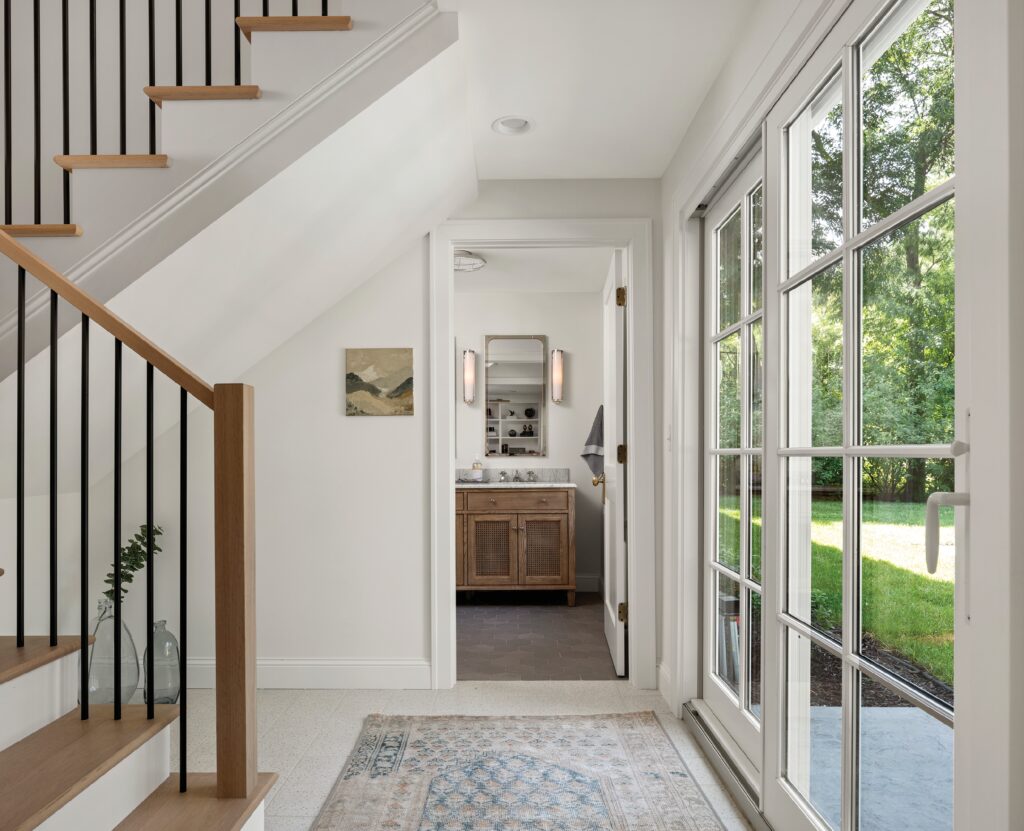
(571,597)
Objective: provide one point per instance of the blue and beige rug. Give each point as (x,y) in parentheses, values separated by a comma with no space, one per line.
(531,773)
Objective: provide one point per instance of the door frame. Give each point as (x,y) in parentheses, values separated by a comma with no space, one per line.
(633,237)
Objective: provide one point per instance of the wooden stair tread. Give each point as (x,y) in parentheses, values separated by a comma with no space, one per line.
(42,231)
(285,23)
(113,161)
(198,807)
(44,771)
(226,92)
(36,652)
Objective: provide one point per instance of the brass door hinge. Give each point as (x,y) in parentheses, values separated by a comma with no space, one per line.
(620,454)
(620,296)
(624,612)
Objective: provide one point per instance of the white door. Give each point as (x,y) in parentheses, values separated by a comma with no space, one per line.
(734,438)
(866,369)
(615,589)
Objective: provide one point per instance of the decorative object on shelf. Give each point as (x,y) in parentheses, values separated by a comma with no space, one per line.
(510,414)
(511,434)
(469,376)
(529,412)
(166,666)
(504,450)
(557,375)
(378,382)
(101,657)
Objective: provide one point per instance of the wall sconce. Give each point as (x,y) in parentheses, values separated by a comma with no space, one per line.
(557,374)
(468,376)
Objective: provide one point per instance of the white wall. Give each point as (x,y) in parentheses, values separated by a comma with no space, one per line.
(571,321)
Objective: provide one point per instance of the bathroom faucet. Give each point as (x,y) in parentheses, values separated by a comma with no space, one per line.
(503,476)
(517,478)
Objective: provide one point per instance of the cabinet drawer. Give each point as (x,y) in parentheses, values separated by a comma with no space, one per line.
(544,500)
(460,501)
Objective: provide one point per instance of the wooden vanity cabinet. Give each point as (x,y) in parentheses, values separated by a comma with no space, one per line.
(516,539)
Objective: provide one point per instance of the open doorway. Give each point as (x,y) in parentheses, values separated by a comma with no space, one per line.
(539,412)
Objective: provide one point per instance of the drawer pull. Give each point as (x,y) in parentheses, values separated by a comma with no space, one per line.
(544,499)
(493,501)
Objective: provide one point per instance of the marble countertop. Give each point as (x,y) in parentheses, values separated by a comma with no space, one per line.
(497,485)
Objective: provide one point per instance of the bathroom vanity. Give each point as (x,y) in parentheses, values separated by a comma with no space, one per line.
(516,536)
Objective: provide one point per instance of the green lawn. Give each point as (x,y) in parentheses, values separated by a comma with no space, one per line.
(903,610)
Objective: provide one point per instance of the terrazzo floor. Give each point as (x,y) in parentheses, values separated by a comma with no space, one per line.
(531,636)
(306,735)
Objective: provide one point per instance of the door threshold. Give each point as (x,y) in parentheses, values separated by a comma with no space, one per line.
(735,779)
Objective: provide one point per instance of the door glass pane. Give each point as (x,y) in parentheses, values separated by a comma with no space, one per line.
(756,248)
(729,391)
(756,383)
(815,344)
(754,656)
(754,486)
(907,106)
(814,733)
(816,178)
(907,613)
(907,316)
(730,267)
(729,632)
(815,543)
(906,765)
(729,511)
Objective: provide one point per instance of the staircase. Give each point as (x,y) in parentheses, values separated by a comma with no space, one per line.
(104,223)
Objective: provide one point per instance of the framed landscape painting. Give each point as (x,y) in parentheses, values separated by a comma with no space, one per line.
(378,382)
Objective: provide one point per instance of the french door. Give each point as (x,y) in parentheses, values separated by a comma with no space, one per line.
(817,489)
(861,318)
(734,392)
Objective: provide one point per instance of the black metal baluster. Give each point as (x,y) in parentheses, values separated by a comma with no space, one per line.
(37,119)
(117,529)
(66,102)
(238,45)
(266,8)
(295,8)
(123,45)
(93,128)
(323,8)
(150,688)
(84,518)
(20,465)
(53,468)
(183,593)
(209,52)
(152,77)
(8,155)
(177,43)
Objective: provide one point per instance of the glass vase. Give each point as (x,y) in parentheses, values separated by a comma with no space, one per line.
(101,658)
(166,666)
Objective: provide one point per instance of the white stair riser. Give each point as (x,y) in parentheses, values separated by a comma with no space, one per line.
(118,792)
(38,697)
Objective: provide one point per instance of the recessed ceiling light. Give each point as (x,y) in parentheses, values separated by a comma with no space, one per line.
(511,125)
(468,261)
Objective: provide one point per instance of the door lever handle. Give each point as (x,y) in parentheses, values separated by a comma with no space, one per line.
(939,499)
(600,480)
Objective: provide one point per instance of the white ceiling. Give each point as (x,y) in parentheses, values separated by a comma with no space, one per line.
(610,87)
(537,269)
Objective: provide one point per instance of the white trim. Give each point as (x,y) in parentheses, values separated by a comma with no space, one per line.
(180,199)
(634,237)
(325,673)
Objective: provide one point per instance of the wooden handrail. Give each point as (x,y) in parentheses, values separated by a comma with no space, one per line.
(102,316)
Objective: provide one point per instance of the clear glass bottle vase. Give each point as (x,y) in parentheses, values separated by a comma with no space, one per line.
(166,666)
(101,658)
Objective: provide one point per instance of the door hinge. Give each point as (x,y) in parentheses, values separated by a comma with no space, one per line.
(624,612)
(620,454)
(620,296)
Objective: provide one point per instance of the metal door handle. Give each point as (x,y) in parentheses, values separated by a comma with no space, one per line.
(937,500)
(600,480)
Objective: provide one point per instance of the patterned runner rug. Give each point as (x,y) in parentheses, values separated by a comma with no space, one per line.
(531,773)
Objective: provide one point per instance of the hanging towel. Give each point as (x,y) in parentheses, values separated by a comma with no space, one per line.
(593,450)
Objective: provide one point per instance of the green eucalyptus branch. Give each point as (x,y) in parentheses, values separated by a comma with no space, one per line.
(133,558)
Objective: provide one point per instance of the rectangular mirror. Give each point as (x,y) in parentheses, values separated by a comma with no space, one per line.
(515,379)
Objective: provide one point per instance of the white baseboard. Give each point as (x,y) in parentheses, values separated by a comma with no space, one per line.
(325,673)
(588,582)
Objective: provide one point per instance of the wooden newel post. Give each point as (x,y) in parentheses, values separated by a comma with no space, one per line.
(235,584)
